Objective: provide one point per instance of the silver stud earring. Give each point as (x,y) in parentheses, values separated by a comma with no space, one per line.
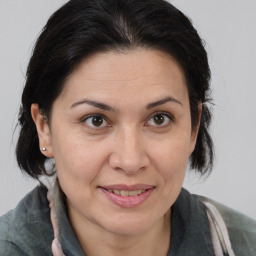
(44,149)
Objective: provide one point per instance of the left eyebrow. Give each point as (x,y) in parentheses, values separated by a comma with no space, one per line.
(163,101)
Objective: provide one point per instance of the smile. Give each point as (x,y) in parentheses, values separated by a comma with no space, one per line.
(127,196)
(126,192)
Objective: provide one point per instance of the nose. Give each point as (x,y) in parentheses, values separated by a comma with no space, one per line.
(130,152)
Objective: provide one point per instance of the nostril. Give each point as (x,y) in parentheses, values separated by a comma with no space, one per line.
(128,164)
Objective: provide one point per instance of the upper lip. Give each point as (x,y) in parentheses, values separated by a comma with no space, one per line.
(128,187)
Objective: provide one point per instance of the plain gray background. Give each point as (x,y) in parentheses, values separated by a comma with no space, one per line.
(227,26)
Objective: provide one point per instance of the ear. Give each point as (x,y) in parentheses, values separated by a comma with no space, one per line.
(195,130)
(43,131)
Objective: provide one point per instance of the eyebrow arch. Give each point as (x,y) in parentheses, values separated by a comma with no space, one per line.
(106,107)
(163,101)
(94,104)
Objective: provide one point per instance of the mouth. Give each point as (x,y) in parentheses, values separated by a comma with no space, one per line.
(127,196)
(126,192)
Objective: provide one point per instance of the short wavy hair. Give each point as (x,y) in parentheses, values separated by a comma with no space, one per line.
(81,28)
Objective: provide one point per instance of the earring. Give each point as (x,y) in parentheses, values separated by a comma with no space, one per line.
(44,149)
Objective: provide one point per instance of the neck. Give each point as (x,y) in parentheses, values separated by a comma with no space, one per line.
(95,240)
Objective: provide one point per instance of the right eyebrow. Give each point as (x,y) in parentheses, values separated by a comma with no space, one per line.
(93,103)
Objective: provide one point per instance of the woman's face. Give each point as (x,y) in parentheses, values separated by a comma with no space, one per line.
(120,134)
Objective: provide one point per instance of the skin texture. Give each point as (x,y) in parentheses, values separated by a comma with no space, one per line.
(128,147)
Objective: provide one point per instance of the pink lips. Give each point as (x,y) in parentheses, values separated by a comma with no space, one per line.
(127,201)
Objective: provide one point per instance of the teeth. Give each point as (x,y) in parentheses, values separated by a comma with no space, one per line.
(117,192)
(124,193)
(133,193)
(127,193)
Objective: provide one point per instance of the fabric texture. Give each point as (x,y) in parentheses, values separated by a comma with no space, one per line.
(219,233)
(241,229)
(27,230)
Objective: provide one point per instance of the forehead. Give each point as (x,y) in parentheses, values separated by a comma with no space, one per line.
(140,71)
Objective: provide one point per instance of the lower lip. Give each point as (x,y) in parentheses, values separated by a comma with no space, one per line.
(127,201)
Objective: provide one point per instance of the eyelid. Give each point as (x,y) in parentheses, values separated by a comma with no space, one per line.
(168,115)
(85,118)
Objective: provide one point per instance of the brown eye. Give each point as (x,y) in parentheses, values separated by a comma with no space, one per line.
(96,121)
(159,120)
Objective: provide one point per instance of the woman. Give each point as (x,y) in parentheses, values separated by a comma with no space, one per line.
(117,93)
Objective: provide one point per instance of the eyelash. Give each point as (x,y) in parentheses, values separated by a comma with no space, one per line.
(105,120)
(86,118)
(163,114)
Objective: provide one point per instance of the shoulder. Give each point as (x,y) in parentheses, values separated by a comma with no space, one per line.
(20,228)
(241,229)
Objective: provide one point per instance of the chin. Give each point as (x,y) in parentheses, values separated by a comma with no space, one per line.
(130,225)
(129,229)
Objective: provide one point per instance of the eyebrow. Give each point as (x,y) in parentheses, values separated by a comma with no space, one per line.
(94,104)
(106,107)
(163,101)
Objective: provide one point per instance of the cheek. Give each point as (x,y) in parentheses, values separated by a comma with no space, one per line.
(78,169)
(170,158)
(78,162)
(171,155)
